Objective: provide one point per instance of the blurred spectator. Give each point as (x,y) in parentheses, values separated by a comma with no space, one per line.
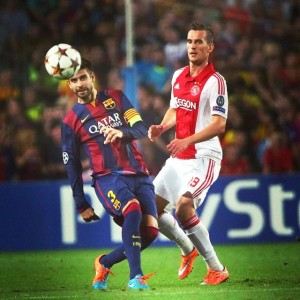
(28,156)
(160,151)
(158,73)
(278,156)
(209,13)
(226,34)
(241,140)
(16,116)
(113,52)
(143,61)
(245,101)
(145,100)
(69,32)
(65,96)
(262,131)
(293,10)
(53,168)
(242,52)
(65,13)
(290,74)
(289,122)
(175,46)
(233,163)
(33,106)
(145,96)
(114,79)
(7,163)
(43,13)
(98,58)
(240,14)
(234,123)
(38,77)
(15,21)
(90,15)
(296,141)
(8,87)
(52,113)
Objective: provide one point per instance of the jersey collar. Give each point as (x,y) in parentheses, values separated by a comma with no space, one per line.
(207,71)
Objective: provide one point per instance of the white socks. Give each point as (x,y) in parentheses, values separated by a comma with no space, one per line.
(197,237)
(200,238)
(169,227)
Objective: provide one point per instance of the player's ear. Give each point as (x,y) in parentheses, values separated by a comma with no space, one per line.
(211,47)
(92,76)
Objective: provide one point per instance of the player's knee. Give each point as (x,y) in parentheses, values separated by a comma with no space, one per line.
(184,208)
(132,206)
(161,203)
(132,213)
(148,235)
(184,203)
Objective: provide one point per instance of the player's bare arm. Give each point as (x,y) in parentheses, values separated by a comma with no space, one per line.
(111,134)
(168,122)
(215,128)
(89,215)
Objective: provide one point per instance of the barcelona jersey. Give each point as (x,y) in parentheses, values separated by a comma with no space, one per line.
(81,132)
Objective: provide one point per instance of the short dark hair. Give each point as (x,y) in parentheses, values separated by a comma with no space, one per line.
(203,27)
(86,64)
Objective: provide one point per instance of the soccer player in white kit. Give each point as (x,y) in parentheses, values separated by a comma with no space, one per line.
(198,110)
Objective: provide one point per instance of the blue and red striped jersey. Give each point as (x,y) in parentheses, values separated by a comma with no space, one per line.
(81,132)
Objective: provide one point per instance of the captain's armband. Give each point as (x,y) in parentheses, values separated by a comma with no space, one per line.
(132,116)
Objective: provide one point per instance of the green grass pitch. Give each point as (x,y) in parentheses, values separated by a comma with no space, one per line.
(257,271)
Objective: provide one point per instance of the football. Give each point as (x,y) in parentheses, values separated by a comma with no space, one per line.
(62,61)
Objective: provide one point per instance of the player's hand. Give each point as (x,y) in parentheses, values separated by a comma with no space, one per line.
(89,215)
(111,134)
(155,131)
(176,146)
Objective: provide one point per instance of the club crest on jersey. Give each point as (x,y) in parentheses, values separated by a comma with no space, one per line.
(109,103)
(220,100)
(195,90)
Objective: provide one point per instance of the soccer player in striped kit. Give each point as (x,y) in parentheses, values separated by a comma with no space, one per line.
(105,125)
(198,110)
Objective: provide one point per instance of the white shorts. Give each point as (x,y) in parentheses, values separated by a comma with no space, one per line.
(179,176)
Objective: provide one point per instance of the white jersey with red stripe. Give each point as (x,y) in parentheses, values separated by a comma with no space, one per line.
(196,99)
(195,169)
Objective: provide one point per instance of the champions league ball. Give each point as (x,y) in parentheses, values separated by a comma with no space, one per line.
(62,61)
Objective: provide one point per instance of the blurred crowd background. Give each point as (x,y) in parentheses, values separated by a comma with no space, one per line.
(257,50)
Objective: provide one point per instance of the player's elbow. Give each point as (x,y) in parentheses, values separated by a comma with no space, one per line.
(221,129)
(220,126)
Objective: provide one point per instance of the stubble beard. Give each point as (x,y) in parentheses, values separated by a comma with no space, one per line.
(87,96)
